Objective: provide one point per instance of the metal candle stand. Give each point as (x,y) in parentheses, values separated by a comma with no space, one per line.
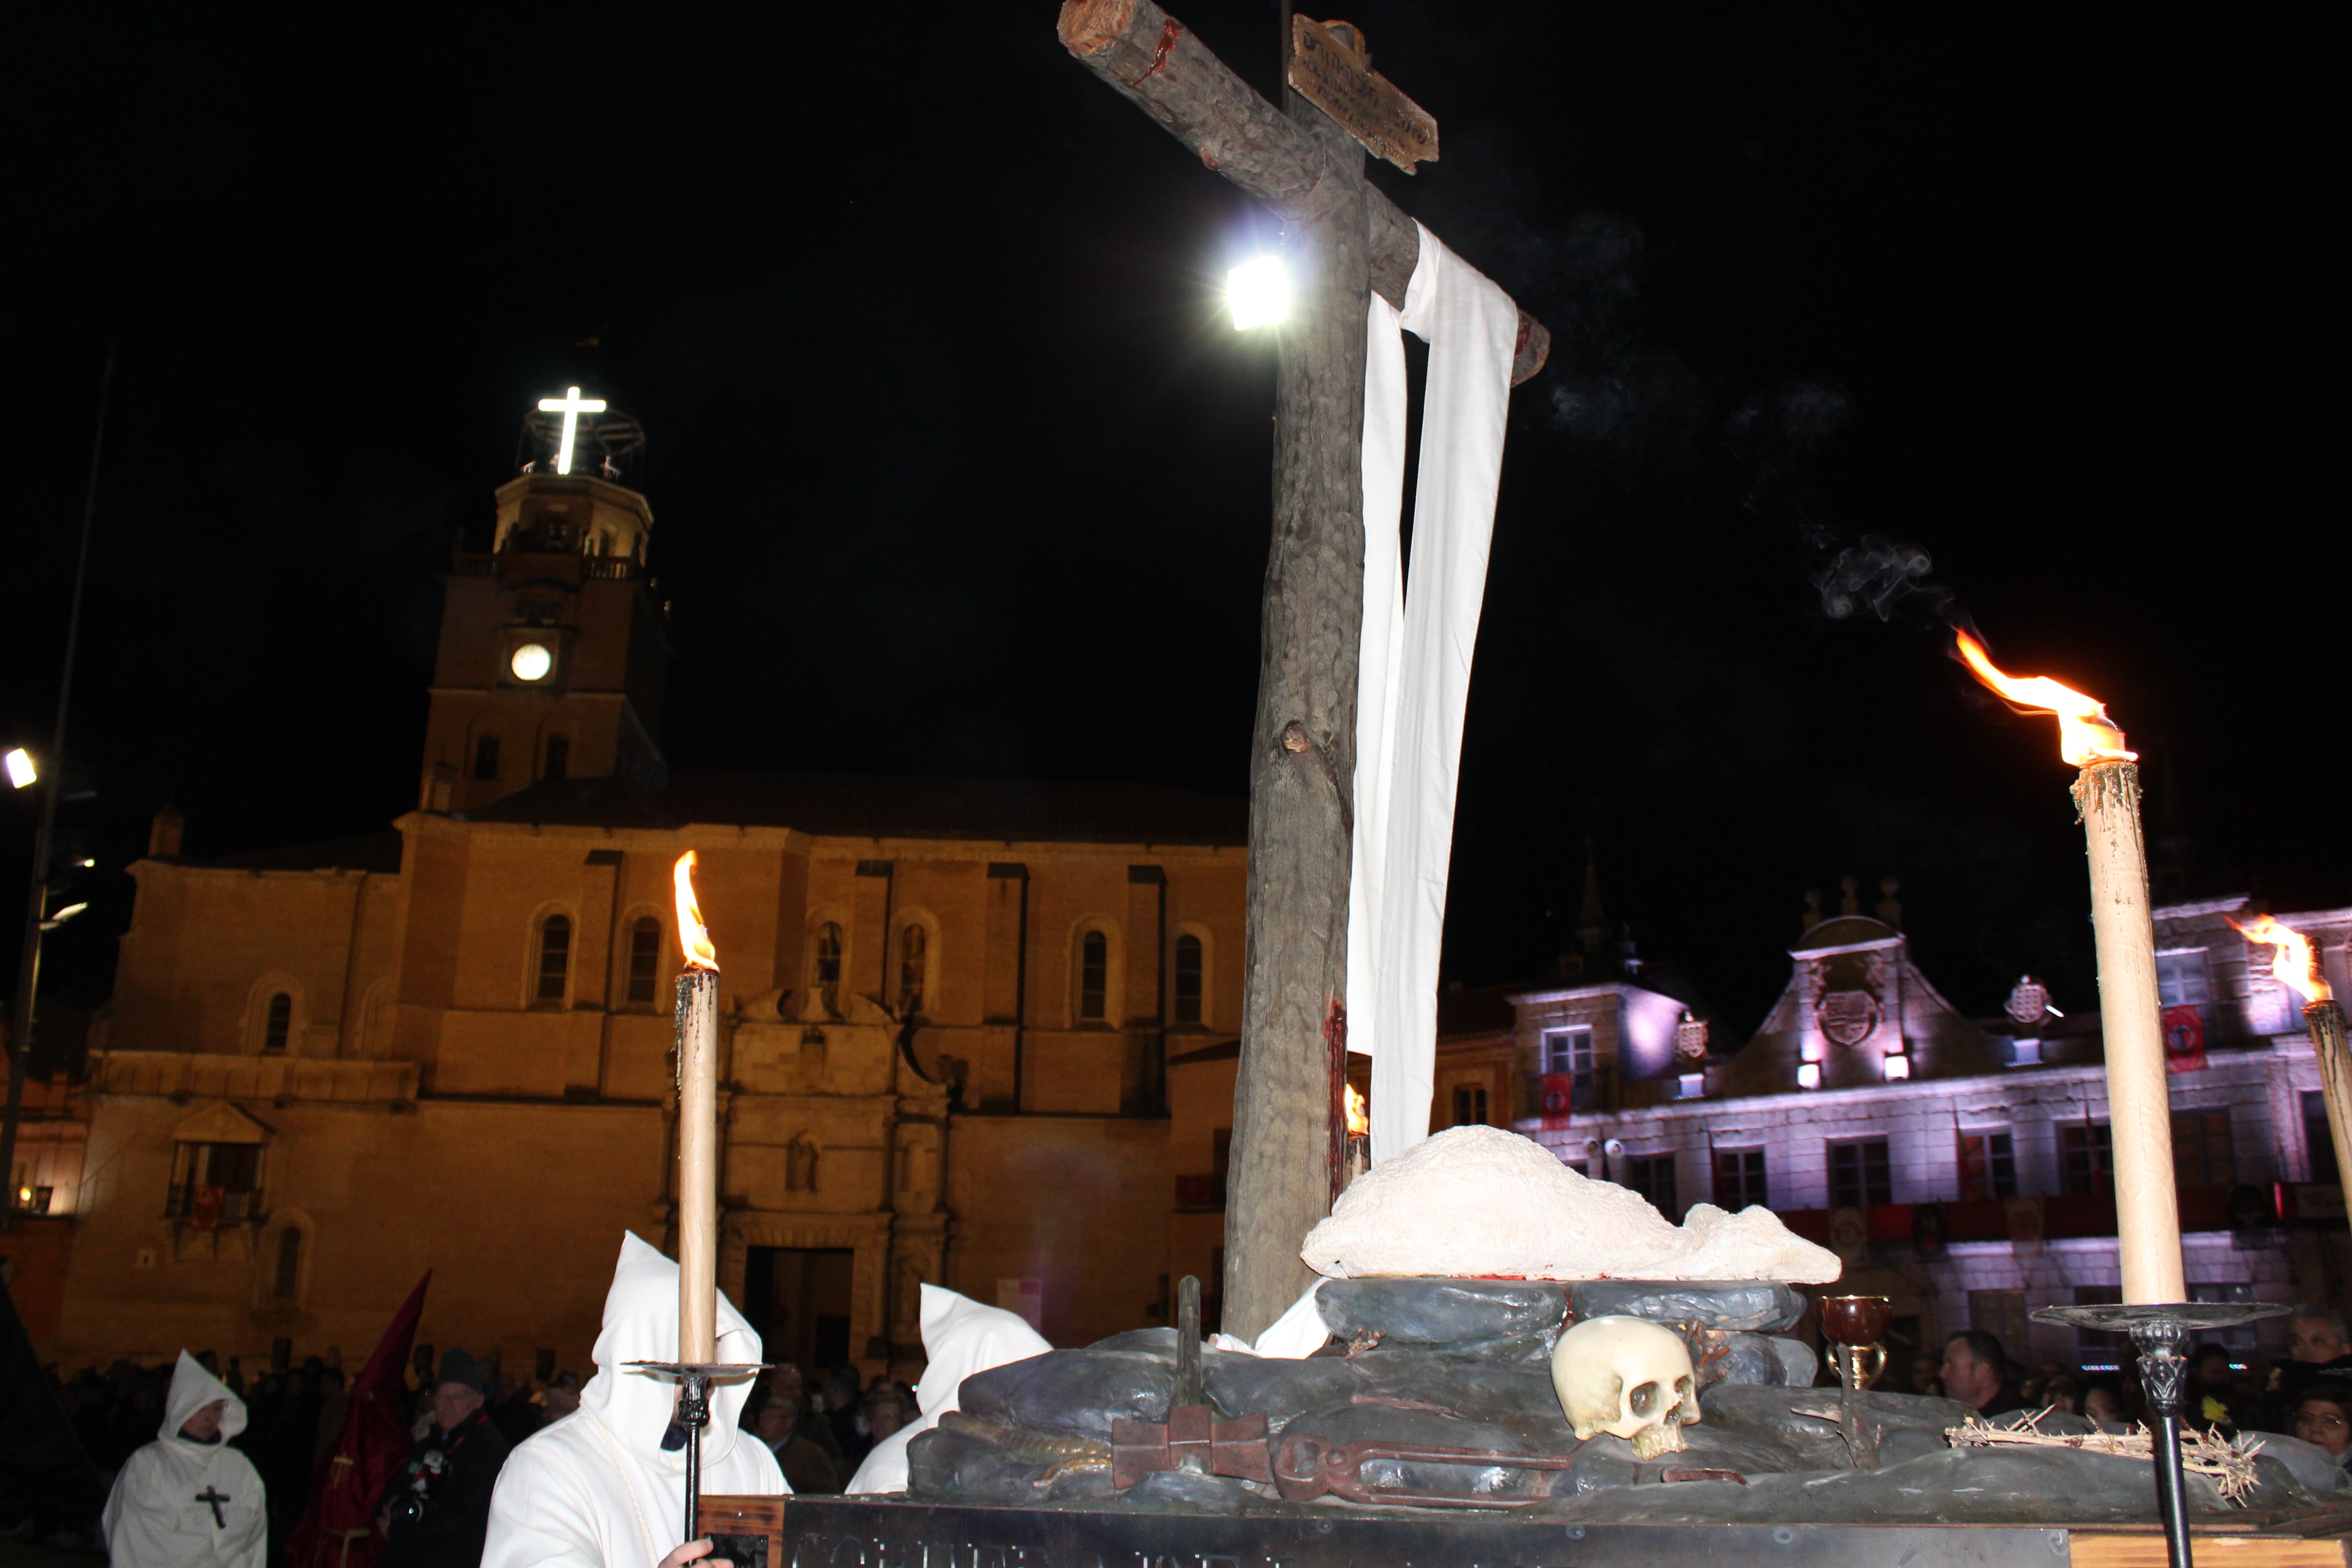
(2160,1332)
(693,1381)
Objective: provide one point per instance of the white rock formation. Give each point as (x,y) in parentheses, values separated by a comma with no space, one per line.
(1481,1201)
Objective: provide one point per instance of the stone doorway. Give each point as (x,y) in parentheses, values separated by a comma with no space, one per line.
(798,1298)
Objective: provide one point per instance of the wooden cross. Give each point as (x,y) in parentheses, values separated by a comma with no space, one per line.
(213,1497)
(1344,240)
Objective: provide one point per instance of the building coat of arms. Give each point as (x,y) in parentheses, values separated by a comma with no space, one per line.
(1847,1017)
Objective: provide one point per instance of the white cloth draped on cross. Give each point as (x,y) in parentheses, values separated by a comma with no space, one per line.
(1413,671)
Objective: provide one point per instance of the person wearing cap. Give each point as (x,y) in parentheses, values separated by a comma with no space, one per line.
(188,1499)
(438,1508)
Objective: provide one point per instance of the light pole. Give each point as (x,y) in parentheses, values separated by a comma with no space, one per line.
(51,780)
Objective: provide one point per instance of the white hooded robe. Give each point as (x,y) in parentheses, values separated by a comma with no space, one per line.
(961,1339)
(153,1518)
(595,1489)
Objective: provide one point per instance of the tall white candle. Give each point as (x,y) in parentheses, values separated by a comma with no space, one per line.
(2139,1103)
(698,1128)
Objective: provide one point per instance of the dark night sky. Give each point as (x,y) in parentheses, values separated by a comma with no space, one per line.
(957,470)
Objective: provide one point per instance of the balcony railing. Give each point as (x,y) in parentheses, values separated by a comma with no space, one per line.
(207,1208)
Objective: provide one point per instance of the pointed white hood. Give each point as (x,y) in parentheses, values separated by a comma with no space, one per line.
(192,1388)
(962,1338)
(595,1489)
(178,1504)
(641,1324)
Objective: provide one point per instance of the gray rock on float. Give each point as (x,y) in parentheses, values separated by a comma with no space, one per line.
(1740,1306)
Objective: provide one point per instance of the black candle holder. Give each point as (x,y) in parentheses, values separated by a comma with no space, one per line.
(2160,1331)
(693,1381)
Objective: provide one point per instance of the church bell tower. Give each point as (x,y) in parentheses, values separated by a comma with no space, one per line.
(552,648)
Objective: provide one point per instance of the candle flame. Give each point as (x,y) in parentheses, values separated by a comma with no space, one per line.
(2294,964)
(2085,733)
(1360,1117)
(693,936)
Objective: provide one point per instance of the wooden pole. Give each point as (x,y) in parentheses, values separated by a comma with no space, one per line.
(1342,241)
(2139,1104)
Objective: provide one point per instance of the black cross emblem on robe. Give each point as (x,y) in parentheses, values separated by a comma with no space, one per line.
(213,1497)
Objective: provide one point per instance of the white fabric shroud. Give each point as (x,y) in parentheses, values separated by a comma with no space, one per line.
(961,1337)
(596,1489)
(159,1515)
(1413,671)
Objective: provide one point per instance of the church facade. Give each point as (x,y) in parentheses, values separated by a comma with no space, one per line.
(949,1008)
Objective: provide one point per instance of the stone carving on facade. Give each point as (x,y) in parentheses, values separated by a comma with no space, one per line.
(801,1156)
(1848,1017)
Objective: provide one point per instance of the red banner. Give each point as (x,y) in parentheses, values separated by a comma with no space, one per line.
(1559,1097)
(338,1529)
(205,1210)
(2184,1039)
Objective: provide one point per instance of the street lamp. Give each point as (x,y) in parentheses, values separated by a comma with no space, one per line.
(19,764)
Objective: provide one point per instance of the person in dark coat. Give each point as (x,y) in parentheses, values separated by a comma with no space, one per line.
(438,1508)
(2318,1345)
(1976,1373)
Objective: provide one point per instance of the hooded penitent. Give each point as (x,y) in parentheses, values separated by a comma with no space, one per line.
(597,1489)
(180,1504)
(961,1337)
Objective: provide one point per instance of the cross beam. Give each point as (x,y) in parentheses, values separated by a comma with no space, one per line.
(1157,64)
(1343,240)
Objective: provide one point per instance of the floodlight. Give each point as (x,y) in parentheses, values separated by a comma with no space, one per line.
(1259,293)
(21,771)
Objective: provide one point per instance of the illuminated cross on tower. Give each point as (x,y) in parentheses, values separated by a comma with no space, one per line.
(572,405)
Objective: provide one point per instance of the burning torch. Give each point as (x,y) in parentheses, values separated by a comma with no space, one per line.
(697,1189)
(2139,1106)
(2295,965)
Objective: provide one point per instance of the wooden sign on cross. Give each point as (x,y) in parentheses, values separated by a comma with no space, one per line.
(1342,239)
(1330,69)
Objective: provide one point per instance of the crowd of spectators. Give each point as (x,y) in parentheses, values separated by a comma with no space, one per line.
(295,1415)
(2306,1393)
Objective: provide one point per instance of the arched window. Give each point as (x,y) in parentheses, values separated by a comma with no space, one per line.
(1094,974)
(554,957)
(914,957)
(825,965)
(1188,980)
(559,757)
(486,757)
(288,1282)
(280,1022)
(644,958)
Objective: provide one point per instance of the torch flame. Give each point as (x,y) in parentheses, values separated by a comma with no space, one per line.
(2293,964)
(2085,733)
(693,936)
(1359,1117)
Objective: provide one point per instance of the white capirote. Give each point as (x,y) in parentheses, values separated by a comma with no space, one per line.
(180,1504)
(961,1337)
(597,1489)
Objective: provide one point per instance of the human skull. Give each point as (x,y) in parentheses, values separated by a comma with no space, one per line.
(1629,1378)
